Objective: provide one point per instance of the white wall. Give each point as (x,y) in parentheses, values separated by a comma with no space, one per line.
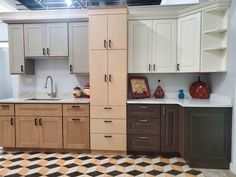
(224,83)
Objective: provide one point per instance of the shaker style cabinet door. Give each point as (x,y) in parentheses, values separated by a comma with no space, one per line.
(117,31)
(164,46)
(78,47)
(98,32)
(35,40)
(117,77)
(189,39)
(140,46)
(98,77)
(7,131)
(57,39)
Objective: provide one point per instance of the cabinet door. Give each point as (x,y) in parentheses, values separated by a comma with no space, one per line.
(16,49)
(57,39)
(50,132)
(189,38)
(117,77)
(98,77)
(170,128)
(76,132)
(27,132)
(140,46)
(7,132)
(164,46)
(117,31)
(78,46)
(98,32)
(34,40)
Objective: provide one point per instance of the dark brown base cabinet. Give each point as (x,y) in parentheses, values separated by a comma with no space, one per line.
(202,136)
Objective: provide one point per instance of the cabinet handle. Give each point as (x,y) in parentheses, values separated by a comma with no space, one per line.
(105,78)
(163,110)
(105,43)
(178,67)
(22,68)
(48,51)
(35,122)
(154,67)
(109,77)
(143,121)
(106,136)
(44,52)
(40,122)
(76,119)
(149,67)
(5,106)
(12,121)
(107,108)
(71,68)
(76,106)
(107,121)
(143,107)
(110,43)
(143,137)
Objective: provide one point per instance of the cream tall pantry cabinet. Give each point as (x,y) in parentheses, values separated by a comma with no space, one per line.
(108,78)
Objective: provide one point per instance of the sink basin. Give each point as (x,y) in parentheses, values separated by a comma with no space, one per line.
(43,99)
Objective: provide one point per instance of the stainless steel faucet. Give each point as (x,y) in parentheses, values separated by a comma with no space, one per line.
(52,94)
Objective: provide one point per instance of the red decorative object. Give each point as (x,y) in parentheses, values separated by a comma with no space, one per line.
(139,87)
(199,90)
(159,93)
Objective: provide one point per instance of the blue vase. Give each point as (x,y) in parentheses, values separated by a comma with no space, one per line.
(181,94)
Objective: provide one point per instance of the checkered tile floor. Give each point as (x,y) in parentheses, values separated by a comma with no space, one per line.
(69,164)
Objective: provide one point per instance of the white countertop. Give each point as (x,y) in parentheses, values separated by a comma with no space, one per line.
(60,101)
(189,102)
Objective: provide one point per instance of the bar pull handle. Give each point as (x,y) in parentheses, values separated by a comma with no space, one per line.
(149,67)
(48,51)
(143,137)
(143,107)
(107,108)
(44,51)
(12,121)
(76,119)
(108,136)
(22,68)
(5,106)
(105,44)
(178,69)
(105,78)
(40,122)
(154,67)
(107,121)
(35,122)
(143,121)
(163,110)
(76,106)
(71,68)
(110,43)
(110,78)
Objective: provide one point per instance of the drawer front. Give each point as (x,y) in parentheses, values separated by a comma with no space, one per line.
(76,110)
(38,110)
(144,125)
(144,143)
(108,126)
(106,112)
(143,110)
(109,142)
(6,109)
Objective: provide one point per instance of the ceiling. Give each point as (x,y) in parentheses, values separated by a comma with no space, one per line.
(80,4)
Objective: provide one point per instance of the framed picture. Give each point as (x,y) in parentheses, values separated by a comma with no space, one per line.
(139,87)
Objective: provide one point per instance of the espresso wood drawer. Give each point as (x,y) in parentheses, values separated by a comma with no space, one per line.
(108,112)
(38,110)
(108,126)
(144,125)
(108,142)
(144,143)
(144,110)
(6,109)
(76,110)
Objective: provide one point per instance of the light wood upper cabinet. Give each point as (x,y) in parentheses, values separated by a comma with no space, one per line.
(140,46)
(18,64)
(78,47)
(164,46)
(117,77)
(46,40)
(7,131)
(189,42)
(34,39)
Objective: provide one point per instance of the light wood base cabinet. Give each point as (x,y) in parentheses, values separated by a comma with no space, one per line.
(7,131)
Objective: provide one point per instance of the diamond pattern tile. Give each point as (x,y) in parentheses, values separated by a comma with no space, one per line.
(36,164)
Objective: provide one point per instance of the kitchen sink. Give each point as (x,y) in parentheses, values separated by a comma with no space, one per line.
(43,99)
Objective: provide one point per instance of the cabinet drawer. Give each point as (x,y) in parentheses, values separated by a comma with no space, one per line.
(75,110)
(6,109)
(108,126)
(144,125)
(106,112)
(38,110)
(143,110)
(144,143)
(110,142)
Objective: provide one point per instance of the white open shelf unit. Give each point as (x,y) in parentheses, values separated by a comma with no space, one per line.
(214,40)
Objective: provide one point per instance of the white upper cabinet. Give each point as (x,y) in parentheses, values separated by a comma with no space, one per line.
(18,64)
(78,47)
(164,46)
(140,46)
(46,40)
(189,40)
